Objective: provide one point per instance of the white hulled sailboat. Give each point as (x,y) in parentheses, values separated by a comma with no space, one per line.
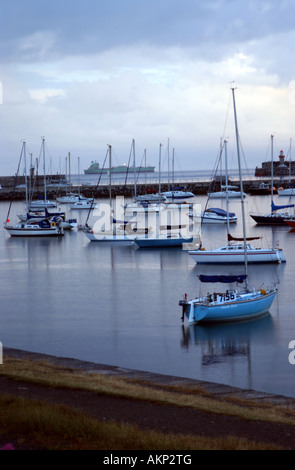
(234,251)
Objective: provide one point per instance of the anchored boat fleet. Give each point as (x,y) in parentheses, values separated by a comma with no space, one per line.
(168,219)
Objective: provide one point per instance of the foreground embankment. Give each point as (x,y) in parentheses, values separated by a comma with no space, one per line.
(51,403)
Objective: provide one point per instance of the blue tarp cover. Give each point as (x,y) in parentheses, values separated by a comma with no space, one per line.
(220,211)
(222,278)
(275,208)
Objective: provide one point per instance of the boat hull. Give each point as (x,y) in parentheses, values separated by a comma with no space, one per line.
(226,256)
(83,206)
(275,219)
(19,231)
(149,198)
(69,224)
(161,242)
(178,194)
(248,305)
(291,223)
(224,195)
(41,205)
(109,237)
(286,192)
(69,199)
(211,219)
(137,207)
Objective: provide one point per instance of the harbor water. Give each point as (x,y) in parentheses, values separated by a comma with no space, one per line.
(118,305)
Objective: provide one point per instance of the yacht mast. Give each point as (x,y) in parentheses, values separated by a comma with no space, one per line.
(110,175)
(271,137)
(134,174)
(226,184)
(160,147)
(241,188)
(44,169)
(26,178)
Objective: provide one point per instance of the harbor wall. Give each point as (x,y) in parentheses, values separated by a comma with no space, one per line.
(9,190)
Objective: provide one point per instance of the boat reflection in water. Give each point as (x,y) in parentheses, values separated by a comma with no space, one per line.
(226,342)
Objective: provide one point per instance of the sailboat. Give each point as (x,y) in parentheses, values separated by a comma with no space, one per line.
(34,227)
(231,305)
(275,217)
(42,203)
(71,198)
(168,229)
(115,231)
(214,215)
(234,251)
(146,202)
(234,304)
(83,203)
(59,217)
(150,198)
(229,191)
(175,193)
(41,228)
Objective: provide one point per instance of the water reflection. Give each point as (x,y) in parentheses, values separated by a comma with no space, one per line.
(218,343)
(270,273)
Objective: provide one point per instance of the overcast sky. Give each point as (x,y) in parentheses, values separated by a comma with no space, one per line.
(88,73)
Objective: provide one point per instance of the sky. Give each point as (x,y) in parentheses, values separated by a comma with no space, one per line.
(88,74)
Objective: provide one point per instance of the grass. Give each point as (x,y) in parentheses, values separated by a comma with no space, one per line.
(46,426)
(54,427)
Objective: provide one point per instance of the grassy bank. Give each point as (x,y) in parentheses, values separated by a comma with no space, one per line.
(48,426)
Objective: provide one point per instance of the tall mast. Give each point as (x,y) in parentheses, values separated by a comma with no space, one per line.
(160,173)
(44,170)
(134,174)
(271,140)
(79,182)
(26,179)
(226,184)
(241,188)
(70,183)
(145,165)
(290,164)
(110,160)
(173,170)
(168,150)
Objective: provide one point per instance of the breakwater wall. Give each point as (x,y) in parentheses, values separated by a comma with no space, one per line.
(11,191)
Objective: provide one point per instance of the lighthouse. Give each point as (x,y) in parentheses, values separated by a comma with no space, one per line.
(282,158)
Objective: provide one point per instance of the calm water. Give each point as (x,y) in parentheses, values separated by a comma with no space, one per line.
(119,306)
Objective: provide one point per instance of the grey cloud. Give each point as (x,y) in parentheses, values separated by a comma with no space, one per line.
(93,26)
